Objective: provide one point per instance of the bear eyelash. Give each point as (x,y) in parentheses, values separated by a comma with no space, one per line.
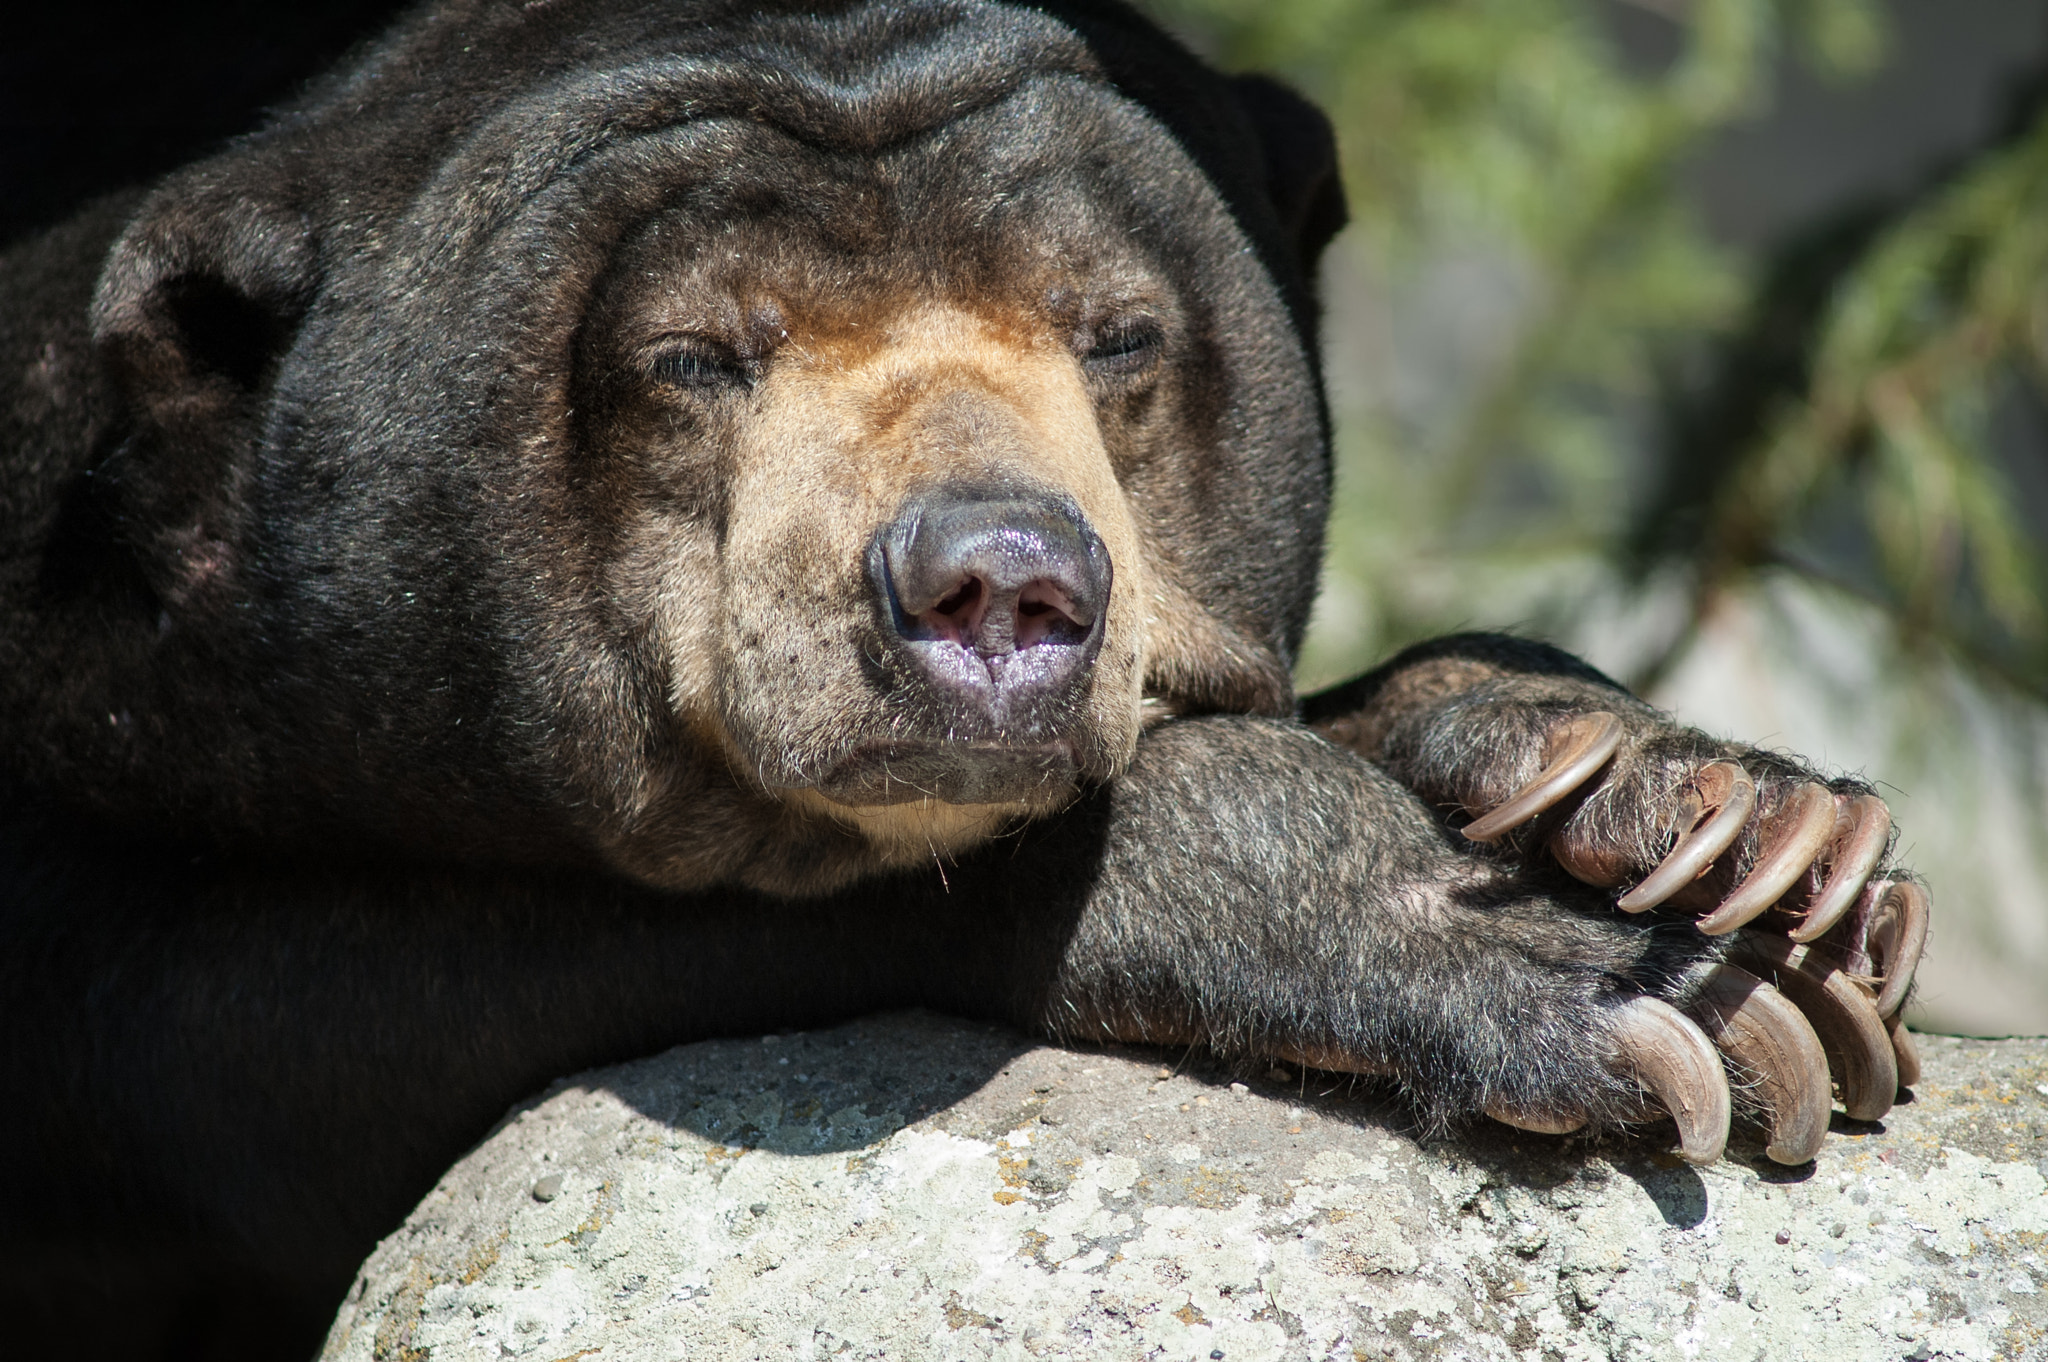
(702,366)
(1123,348)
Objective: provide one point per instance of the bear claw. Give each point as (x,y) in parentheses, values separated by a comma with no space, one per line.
(1859,847)
(1762,1032)
(1577,752)
(1799,832)
(1896,936)
(1862,1059)
(1668,1053)
(1903,1053)
(1538,1122)
(1721,786)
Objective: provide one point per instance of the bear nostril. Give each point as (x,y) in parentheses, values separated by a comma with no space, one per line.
(955,618)
(961,599)
(1046,614)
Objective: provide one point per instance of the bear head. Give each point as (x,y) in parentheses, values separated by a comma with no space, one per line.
(758,442)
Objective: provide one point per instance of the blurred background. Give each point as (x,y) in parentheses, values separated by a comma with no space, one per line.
(1708,338)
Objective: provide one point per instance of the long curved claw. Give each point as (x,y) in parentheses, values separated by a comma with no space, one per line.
(1329,1058)
(1902,1050)
(1807,820)
(1673,1059)
(1760,1029)
(1861,849)
(1897,935)
(1540,1122)
(1578,750)
(1859,1049)
(1719,783)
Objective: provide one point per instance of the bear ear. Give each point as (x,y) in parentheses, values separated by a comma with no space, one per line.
(1300,149)
(199,300)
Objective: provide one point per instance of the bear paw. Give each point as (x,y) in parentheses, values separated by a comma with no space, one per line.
(1823,939)
(1811,848)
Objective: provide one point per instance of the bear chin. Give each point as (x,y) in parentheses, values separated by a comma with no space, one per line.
(961,773)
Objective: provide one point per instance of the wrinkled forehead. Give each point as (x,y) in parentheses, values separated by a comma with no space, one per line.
(1012,210)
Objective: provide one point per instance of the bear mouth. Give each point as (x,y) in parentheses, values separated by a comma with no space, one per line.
(953,772)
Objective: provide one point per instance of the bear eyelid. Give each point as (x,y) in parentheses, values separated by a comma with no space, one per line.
(701,365)
(1123,346)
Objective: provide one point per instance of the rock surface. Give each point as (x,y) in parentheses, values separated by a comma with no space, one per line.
(914,1188)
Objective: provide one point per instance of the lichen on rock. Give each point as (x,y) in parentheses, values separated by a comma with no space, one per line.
(913,1187)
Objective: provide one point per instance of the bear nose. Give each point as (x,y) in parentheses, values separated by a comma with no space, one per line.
(995,576)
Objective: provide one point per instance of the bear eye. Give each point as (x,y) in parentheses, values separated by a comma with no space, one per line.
(1125,346)
(702,365)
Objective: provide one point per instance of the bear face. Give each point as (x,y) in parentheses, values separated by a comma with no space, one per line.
(778,408)
(688,388)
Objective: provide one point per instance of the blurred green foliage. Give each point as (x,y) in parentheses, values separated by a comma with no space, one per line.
(1948,303)
(1631,405)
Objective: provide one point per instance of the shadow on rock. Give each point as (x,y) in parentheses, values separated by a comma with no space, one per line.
(813,1092)
(1677,1191)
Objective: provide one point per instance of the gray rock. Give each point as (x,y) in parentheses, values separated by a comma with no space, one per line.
(916,1188)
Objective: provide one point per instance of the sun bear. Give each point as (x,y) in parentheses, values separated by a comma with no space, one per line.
(608,523)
